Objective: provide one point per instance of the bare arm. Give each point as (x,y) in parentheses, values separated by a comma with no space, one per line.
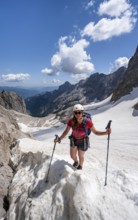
(65,132)
(93,129)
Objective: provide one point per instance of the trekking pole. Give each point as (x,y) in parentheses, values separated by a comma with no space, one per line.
(107,127)
(51,160)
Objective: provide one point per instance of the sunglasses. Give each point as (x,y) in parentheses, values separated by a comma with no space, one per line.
(77,113)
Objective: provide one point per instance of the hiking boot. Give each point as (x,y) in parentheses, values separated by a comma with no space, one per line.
(75,164)
(79,167)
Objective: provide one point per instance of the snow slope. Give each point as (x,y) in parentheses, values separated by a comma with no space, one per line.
(80,195)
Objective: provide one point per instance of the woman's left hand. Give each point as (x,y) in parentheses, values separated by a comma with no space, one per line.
(108,131)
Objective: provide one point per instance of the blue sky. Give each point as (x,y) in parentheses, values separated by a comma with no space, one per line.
(47,42)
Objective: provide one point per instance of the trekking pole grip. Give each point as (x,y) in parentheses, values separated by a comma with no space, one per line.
(108,125)
(58,138)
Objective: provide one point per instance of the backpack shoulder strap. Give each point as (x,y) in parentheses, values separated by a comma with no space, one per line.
(84,125)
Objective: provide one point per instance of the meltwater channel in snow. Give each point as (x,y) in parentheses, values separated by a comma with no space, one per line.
(80,195)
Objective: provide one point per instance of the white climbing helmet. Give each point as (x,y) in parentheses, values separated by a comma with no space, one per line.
(78,107)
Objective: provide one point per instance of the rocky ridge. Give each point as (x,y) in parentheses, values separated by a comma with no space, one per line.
(10,100)
(96,87)
(9,134)
(130,80)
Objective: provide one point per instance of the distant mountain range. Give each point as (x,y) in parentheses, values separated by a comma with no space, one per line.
(27,92)
(95,88)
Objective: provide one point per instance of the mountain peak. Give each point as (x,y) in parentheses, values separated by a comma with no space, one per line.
(65,86)
(130,79)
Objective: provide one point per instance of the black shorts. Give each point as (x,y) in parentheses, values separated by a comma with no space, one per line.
(81,144)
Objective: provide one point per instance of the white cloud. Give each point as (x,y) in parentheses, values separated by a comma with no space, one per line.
(89,4)
(121,19)
(15,77)
(119,62)
(114,7)
(56,81)
(107,28)
(82,66)
(53,81)
(71,58)
(47,71)
(79,77)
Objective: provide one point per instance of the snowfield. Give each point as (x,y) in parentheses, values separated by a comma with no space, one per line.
(80,195)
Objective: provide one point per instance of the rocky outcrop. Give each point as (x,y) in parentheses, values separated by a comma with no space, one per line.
(31,197)
(130,80)
(96,87)
(10,100)
(136,106)
(9,133)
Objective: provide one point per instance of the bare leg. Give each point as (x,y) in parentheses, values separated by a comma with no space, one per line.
(73,153)
(81,157)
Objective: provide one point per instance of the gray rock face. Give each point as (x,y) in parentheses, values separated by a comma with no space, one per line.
(10,100)
(96,87)
(130,80)
(136,106)
(100,86)
(9,133)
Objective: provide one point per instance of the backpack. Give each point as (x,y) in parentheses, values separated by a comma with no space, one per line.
(86,116)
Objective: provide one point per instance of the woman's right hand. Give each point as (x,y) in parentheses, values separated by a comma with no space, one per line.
(57,139)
